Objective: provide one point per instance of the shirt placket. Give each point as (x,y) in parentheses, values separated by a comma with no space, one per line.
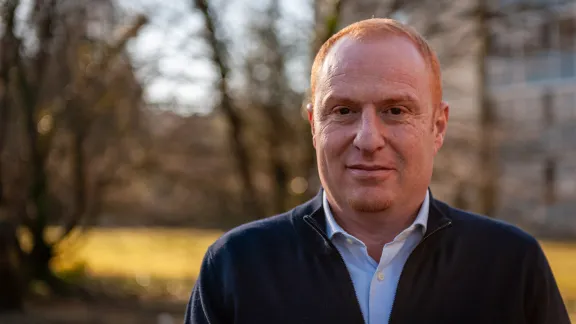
(382,282)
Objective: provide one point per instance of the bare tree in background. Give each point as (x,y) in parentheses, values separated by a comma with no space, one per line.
(270,98)
(56,96)
(268,134)
(9,256)
(276,150)
(220,58)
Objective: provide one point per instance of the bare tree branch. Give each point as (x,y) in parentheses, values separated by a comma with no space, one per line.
(79,124)
(8,46)
(219,53)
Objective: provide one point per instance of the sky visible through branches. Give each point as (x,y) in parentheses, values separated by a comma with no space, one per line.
(171,58)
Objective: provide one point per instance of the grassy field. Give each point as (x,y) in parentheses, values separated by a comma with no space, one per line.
(163,253)
(171,254)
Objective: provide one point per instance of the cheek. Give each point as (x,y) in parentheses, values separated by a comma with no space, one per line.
(413,143)
(331,139)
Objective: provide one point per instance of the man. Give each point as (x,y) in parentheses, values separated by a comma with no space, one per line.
(374,246)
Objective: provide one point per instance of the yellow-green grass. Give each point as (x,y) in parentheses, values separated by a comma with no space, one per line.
(163,253)
(562,258)
(177,254)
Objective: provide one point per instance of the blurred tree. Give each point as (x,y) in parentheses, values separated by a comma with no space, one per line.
(268,131)
(273,107)
(11,297)
(256,97)
(69,93)
(220,59)
(488,153)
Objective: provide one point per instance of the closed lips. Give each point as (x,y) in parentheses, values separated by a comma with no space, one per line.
(367,167)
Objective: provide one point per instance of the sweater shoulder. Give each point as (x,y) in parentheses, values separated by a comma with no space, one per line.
(483,228)
(273,233)
(257,232)
(258,239)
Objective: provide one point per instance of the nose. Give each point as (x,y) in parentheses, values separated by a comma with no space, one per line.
(369,138)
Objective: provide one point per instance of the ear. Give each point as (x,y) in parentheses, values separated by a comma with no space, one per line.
(310,112)
(440,125)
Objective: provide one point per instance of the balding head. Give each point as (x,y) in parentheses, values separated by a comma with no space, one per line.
(377,119)
(381,28)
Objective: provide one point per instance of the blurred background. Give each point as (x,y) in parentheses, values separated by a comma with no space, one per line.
(133,133)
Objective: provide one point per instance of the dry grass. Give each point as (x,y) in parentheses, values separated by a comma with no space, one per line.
(562,257)
(177,254)
(164,253)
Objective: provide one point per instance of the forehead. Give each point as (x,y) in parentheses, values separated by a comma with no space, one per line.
(374,67)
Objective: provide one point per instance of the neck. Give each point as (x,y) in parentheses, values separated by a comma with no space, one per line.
(375,229)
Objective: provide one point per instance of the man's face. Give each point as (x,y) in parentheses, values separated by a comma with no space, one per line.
(375,126)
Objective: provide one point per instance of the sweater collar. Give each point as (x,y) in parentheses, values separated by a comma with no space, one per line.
(437,216)
(332,227)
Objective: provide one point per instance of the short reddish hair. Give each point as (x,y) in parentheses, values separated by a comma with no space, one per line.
(376,27)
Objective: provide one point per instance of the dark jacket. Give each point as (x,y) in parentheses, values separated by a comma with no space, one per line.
(467,269)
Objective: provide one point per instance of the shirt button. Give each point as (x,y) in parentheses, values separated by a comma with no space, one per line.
(380,276)
(349,240)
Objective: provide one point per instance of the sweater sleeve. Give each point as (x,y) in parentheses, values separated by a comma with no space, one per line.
(544,303)
(205,304)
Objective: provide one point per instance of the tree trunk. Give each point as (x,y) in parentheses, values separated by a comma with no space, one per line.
(38,267)
(488,155)
(250,198)
(550,163)
(11,285)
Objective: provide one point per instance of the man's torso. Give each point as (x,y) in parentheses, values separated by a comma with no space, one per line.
(466,269)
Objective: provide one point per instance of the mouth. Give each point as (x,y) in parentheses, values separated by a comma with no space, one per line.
(368,167)
(370,172)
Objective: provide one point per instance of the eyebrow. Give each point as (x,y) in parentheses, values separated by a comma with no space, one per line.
(396,98)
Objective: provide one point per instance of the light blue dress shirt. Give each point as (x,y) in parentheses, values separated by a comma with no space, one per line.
(375,283)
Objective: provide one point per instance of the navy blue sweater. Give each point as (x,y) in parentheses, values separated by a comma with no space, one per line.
(467,269)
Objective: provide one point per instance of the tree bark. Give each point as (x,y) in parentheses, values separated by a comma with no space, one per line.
(550,163)
(11,285)
(488,155)
(235,123)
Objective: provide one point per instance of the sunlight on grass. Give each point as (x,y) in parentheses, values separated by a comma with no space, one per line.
(562,257)
(165,253)
(177,254)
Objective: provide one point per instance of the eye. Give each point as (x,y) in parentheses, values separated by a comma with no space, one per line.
(343,110)
(396,111)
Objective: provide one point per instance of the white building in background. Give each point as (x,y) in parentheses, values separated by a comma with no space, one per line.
(532,80)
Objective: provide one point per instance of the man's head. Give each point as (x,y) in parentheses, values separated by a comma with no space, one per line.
(377,116)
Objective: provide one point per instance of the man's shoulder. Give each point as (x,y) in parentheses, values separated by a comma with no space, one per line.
(483,228)
(267,234)
(258,231)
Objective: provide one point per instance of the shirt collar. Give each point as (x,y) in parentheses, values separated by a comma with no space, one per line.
(332,226)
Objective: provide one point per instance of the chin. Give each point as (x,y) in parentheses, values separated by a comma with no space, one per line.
(370,201)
